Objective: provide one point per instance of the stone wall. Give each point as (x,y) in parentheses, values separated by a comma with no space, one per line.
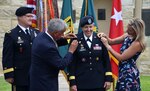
(7,18)
(8,21)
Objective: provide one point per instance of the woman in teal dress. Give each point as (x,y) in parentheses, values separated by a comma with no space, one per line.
(132,46)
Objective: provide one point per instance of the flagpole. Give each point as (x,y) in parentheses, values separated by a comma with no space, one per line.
(86,8)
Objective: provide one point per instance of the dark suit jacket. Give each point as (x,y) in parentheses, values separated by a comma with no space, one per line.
(90,67)
(46,63)
(17,55)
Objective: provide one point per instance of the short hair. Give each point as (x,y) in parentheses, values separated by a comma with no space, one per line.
(56,25)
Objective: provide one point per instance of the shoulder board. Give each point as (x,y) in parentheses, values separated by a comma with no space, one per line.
(36,28)
(8,31)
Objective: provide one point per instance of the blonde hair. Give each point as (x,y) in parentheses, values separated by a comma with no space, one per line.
(139,27)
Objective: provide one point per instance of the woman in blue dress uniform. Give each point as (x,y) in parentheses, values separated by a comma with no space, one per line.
(133,45)
(90,69)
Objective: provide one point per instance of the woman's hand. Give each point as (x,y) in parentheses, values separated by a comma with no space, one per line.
(105,42)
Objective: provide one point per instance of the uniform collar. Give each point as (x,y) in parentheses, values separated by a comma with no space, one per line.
(23,28)
(85,37)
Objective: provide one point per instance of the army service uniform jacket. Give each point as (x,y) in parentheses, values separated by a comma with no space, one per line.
(90,67)
(17,55)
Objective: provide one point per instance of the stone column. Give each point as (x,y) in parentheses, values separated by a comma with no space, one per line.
(138,8)
(138,14)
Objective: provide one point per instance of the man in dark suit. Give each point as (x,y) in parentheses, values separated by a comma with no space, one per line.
(90,69)
(46,60)
(17,45)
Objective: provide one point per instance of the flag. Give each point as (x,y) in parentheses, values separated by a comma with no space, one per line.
(46,10)
(45,15)
(88,9)
(53,9)
(55,5)
(66,15)
(32,3)
(40,16)
(116,30)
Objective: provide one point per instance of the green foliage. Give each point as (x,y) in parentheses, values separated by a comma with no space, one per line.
(145,83)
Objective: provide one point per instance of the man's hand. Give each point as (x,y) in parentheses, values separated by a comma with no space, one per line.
(73,46)
(107,85)
(10,80)
(69,36)
(74,88)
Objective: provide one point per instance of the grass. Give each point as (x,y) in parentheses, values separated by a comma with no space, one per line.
(4,86)
(145,83)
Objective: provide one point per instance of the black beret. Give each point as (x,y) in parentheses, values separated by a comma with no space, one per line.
(86,20)
(23,11)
